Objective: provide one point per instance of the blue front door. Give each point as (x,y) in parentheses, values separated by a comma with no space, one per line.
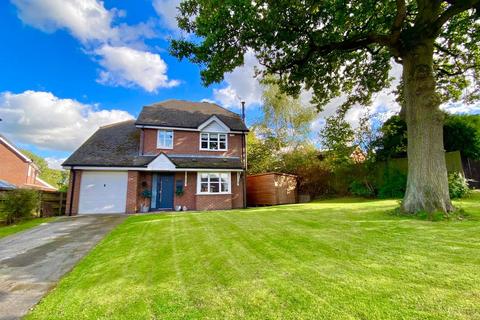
(164,192)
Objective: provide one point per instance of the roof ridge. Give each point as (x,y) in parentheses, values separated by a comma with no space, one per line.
(116,123)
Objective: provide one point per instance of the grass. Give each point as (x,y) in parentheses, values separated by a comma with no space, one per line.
(21,226)
(334,259)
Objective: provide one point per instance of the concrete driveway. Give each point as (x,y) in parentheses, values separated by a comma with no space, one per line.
(31,262)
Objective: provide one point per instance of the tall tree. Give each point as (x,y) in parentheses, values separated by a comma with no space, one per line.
(286,119)
(345,47)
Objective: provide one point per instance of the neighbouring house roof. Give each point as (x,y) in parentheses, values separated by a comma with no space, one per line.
(187,114)
(115,145)
(4,185)
(14,149)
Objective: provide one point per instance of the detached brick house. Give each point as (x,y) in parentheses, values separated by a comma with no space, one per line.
(19,170)
(176,154)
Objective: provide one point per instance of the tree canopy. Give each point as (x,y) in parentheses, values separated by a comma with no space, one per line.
(57,178)
(334,47)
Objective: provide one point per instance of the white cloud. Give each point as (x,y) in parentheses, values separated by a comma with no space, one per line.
(40,118)
(461,108)
(55,163)
(86,20)
(124,66)
(120,46)
(167,10)
(241,85)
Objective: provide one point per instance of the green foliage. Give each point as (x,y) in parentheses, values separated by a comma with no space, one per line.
(262,154)
(360,189)
(392,142)
(460,133)
(337,137)
(57,178)
(333,47)
(18,204)
(457,186)
(394,184)
(285,119)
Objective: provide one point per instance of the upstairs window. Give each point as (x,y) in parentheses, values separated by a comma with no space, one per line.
(165,139)
(213,141)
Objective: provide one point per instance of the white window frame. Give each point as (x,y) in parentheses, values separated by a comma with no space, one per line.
(160,146)
(218,140)
(229,181)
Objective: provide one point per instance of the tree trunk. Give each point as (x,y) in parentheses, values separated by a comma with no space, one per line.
(427,183)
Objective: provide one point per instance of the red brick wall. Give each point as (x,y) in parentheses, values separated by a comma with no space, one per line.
(12,169)
(76,192)
(132,192)
(237,191)
(144,178)
(188,142)
(188,198)
(214,202)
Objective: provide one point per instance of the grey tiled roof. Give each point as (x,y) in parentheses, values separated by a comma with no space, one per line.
(4,185)
(116,145)
(187,114)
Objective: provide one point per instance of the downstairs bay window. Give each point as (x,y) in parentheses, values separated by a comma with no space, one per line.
(213,183)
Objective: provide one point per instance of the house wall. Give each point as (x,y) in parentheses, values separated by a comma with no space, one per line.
(214,202)
(132,192)
(12,168)
(188,142)
(76,192)
(188,199)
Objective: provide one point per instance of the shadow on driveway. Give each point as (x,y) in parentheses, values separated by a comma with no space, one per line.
(31,262)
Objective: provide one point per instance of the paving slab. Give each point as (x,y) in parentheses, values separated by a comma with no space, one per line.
(33,261)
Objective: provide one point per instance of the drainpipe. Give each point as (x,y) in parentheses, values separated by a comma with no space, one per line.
(72,191)
(244,160)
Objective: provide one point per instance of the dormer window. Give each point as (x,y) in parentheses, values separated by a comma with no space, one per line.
(165,139)
(213,141)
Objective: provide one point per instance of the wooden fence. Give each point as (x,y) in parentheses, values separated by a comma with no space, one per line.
(52,203)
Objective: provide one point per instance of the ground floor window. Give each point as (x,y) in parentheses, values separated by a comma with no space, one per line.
(213,182)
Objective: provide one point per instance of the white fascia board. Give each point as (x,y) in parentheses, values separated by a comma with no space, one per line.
(20,154)
(45,183)
(165,128)
(214,119)
(87,168)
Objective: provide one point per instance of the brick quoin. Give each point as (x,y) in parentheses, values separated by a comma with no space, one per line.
(76,193)
(132,192)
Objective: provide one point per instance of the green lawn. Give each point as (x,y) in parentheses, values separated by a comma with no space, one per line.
(22,225)
(336,259)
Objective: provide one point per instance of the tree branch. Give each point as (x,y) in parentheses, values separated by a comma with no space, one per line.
(446,51)
(347,45)
(399,19)
(454,9)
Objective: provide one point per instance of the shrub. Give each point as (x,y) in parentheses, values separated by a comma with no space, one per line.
(18,204)
(457,185)
(394,185)
(360,189)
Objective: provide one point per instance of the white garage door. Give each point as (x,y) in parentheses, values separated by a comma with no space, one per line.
(103,192)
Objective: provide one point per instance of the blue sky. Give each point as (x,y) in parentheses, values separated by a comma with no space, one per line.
(92,56)
(70,66)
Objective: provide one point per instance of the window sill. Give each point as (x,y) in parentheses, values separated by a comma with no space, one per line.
(213,193)
(217,150)
(164,148)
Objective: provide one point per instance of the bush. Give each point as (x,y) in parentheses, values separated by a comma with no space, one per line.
(18,204)
(457,185)
(394,185)
(360,189)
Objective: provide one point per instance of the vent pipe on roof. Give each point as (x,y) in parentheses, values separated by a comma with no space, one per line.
(243,110)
